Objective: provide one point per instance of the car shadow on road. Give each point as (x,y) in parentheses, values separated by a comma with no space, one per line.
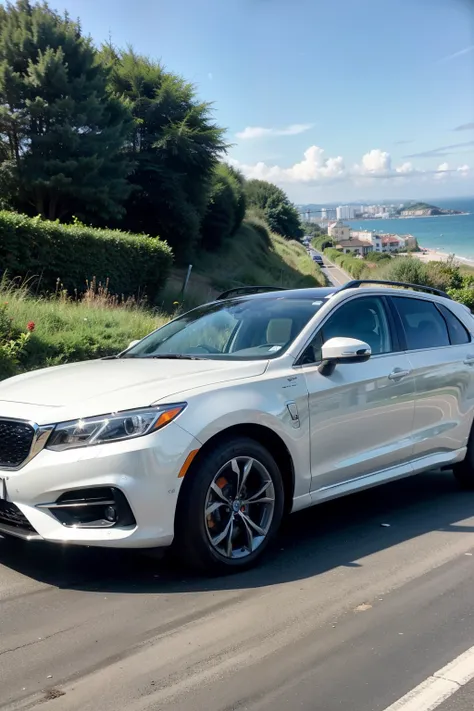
(339,533)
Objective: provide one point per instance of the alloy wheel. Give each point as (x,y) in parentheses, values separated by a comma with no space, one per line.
(239,507)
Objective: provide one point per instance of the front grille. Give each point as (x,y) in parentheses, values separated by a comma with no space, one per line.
(16,439)
(12,516)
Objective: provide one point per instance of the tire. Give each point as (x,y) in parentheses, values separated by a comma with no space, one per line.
(209,508)
(464,471)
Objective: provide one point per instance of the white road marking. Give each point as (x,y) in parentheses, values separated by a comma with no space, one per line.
(437,688)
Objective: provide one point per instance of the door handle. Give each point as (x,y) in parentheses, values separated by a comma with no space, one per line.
(398,374)
(469,360)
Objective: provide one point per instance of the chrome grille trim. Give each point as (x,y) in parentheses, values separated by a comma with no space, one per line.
(39,439)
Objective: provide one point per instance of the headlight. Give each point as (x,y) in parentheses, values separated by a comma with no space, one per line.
(111,428)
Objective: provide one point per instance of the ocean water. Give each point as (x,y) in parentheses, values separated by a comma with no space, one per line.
(453,235)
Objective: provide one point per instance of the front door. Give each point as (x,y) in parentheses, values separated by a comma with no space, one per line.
(361,416)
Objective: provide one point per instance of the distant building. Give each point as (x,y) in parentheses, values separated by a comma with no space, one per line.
(371,237)
(385,242)
(354,246)
(345,212)
(392,243)
(339,231)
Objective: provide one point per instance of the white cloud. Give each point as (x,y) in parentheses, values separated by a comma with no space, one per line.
(405,169)
(441,171)
(376,162)
(374,166)
(313,168)
(294,129)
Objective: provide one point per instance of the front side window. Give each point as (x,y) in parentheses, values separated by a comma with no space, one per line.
(423,324)
(362,318)
(240,329)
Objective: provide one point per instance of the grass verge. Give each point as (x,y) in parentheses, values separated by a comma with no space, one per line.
(61,330)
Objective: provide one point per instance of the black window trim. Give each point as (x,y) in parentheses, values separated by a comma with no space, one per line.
(401,329)
(394,336)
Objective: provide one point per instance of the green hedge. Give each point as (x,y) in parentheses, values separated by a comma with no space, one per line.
(355,267)
(47,251)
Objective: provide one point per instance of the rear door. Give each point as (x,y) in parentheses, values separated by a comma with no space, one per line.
(361,416)
(441,356)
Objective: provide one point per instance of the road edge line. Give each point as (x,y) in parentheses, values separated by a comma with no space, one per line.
(439,687)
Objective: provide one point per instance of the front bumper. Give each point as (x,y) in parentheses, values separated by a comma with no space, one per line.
(145,470)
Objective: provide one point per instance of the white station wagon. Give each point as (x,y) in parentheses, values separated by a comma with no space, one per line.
(206,432)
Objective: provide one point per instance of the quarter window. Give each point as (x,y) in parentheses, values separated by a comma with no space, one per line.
(422,322)
(458,333)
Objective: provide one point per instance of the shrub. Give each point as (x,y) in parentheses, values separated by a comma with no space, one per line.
(407,269)
(226,207)
(378,257)
(48,251)
(322,242)
(281,215)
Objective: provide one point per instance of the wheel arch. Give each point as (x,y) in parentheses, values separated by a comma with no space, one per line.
(265,436)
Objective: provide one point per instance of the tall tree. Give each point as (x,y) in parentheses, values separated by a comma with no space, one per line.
(174,145)
(61,131)
(281,215)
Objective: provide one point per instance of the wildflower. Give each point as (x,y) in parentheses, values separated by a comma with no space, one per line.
(175,303)
(31,326)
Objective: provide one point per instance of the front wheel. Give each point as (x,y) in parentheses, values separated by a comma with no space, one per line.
(230,508)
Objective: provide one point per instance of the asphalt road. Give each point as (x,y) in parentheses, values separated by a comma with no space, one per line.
(335,275)
(345,614)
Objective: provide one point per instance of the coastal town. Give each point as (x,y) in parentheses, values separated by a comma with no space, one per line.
(361,242)
(324,215)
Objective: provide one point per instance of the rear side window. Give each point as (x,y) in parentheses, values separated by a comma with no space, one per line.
(458,333)
(422,322)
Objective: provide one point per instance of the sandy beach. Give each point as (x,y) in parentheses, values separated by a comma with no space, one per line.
(433,255)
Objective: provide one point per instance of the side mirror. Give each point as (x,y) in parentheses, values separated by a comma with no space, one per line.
(342,350)
(132,343)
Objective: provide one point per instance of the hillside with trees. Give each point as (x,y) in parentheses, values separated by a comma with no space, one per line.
(112,139)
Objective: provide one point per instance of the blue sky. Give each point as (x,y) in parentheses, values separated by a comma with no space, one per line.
(331,99)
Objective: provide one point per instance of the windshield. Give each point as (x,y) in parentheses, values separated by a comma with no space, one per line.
(240,329)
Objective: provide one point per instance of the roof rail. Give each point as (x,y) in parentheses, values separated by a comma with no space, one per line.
(416,287)
(246,290)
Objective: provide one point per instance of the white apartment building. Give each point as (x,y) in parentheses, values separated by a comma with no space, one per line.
(385,242)
(371,237)
(345,212)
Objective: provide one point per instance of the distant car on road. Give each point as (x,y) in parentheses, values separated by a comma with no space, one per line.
(318,259)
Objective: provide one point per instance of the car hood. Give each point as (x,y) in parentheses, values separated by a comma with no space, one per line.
(97,387)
